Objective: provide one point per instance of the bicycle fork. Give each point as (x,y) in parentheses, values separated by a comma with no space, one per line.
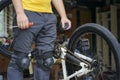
(84,67)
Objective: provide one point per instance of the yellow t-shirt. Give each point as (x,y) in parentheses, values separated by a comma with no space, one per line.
(37,5)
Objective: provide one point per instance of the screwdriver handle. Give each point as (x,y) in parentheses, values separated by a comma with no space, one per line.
(30,24)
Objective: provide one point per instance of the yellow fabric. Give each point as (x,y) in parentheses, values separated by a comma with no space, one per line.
(37,5)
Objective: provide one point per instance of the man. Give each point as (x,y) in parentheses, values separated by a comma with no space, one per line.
(43,33)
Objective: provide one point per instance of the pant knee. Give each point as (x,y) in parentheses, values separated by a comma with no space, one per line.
(45,64)
(19,61)
(45,61)
(13,65)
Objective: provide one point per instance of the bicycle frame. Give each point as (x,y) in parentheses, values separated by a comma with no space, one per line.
(83,71)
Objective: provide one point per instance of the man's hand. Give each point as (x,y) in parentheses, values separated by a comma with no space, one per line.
(58,4)
(67,22)
(22,21)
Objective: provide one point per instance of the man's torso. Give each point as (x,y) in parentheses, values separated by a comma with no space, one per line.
(37,5)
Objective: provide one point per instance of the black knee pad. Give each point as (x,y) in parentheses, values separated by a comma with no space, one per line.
(45,61)
(24,63)
(48,62)
(45,64)
(21,60)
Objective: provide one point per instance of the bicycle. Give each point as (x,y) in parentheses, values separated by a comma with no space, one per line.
(80,59)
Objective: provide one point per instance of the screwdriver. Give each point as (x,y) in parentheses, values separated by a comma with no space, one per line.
(30,25)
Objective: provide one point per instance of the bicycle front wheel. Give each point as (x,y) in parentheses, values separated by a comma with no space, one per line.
(103,47)
(6,13)
(4,3)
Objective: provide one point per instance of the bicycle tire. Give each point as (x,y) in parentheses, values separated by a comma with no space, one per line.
(3,50)
(105,34)
(4,3)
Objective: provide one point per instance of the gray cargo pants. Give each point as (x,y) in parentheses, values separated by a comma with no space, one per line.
(43,33)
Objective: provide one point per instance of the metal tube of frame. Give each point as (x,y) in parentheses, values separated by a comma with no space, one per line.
(63,62)
(73,59)
(81,72)
(78,55)
(84,70)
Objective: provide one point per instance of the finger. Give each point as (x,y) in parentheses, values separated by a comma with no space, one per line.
(69,25)
(26,24)
(62,24)
(23,25)
(19,25)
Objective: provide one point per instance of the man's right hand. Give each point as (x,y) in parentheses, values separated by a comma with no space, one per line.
(22,21)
